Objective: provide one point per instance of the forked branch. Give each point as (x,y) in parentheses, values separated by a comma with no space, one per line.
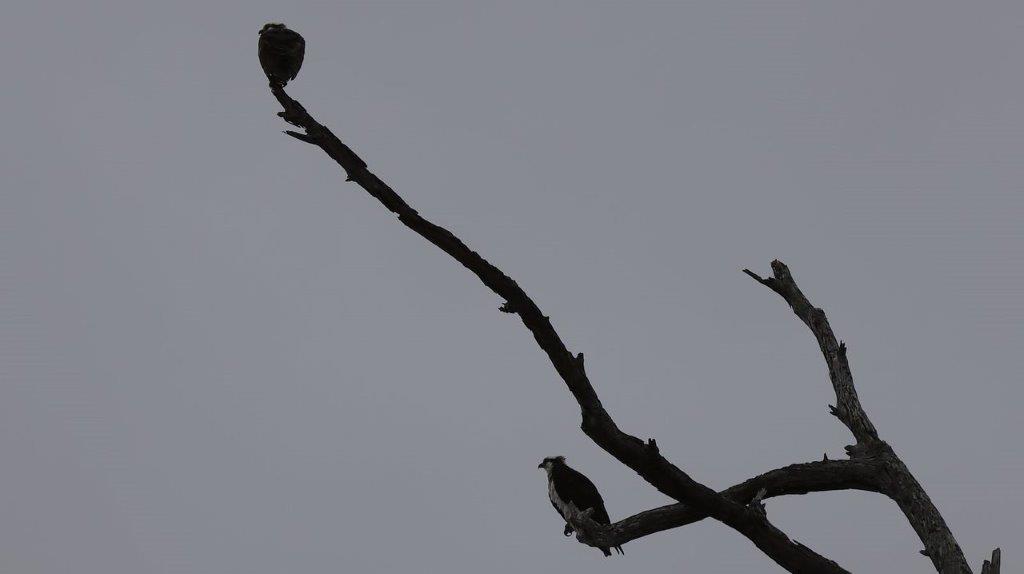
(896,480)
(873,465)
(644,458)
(821,476)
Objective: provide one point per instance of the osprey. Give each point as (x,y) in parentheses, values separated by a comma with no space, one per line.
(281,53)
(565,486)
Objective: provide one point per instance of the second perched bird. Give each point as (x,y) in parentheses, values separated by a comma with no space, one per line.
(565,486)
(281,53)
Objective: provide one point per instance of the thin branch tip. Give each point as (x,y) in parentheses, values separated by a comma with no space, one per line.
(755,276)
(300,136)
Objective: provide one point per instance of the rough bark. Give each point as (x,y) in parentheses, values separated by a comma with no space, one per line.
(896,482)
(873,465)
(821,476)
(643,457)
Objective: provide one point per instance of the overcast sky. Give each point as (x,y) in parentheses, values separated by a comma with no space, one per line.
(218,357)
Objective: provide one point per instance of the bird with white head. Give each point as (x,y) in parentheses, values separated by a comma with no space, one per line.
(571,493)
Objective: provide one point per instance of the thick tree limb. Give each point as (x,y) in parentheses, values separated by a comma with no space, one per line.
(826,475)
(644,458)
(897,481)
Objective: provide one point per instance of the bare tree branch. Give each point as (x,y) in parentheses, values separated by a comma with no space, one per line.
(848,408)
(992,566)
(898,483)
(644,458)
(822,476)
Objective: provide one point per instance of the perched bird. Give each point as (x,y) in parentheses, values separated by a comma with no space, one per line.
(281,53)
(565,486)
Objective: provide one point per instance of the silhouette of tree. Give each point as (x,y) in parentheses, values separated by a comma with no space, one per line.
(872,465)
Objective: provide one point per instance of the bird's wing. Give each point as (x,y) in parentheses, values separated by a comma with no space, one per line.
(573,487)
(293,45)
(300,54)
(266,51)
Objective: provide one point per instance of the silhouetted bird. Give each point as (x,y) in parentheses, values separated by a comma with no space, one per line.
(281,53)
(565,486)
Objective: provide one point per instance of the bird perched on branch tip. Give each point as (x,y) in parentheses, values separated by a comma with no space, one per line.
(281,51)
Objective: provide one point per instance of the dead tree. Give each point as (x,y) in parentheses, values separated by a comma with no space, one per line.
(872,464)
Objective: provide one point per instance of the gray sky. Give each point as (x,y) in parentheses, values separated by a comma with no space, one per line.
(218,357)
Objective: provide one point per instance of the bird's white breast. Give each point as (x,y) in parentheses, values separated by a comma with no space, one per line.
(556,500)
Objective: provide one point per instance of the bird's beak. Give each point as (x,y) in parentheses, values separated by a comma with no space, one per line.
(541,465)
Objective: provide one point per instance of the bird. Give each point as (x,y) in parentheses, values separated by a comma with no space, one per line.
(281,51)
(567,485)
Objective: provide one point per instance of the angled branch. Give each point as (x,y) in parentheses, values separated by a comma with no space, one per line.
(822,476)
(848,408)
(899,483)
(597,423)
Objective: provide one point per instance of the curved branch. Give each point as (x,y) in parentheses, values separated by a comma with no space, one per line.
(826,475)
(848,408)
(899,483)
(644,458)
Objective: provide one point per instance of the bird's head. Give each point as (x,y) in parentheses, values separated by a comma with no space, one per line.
(272,26)
(550,462)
